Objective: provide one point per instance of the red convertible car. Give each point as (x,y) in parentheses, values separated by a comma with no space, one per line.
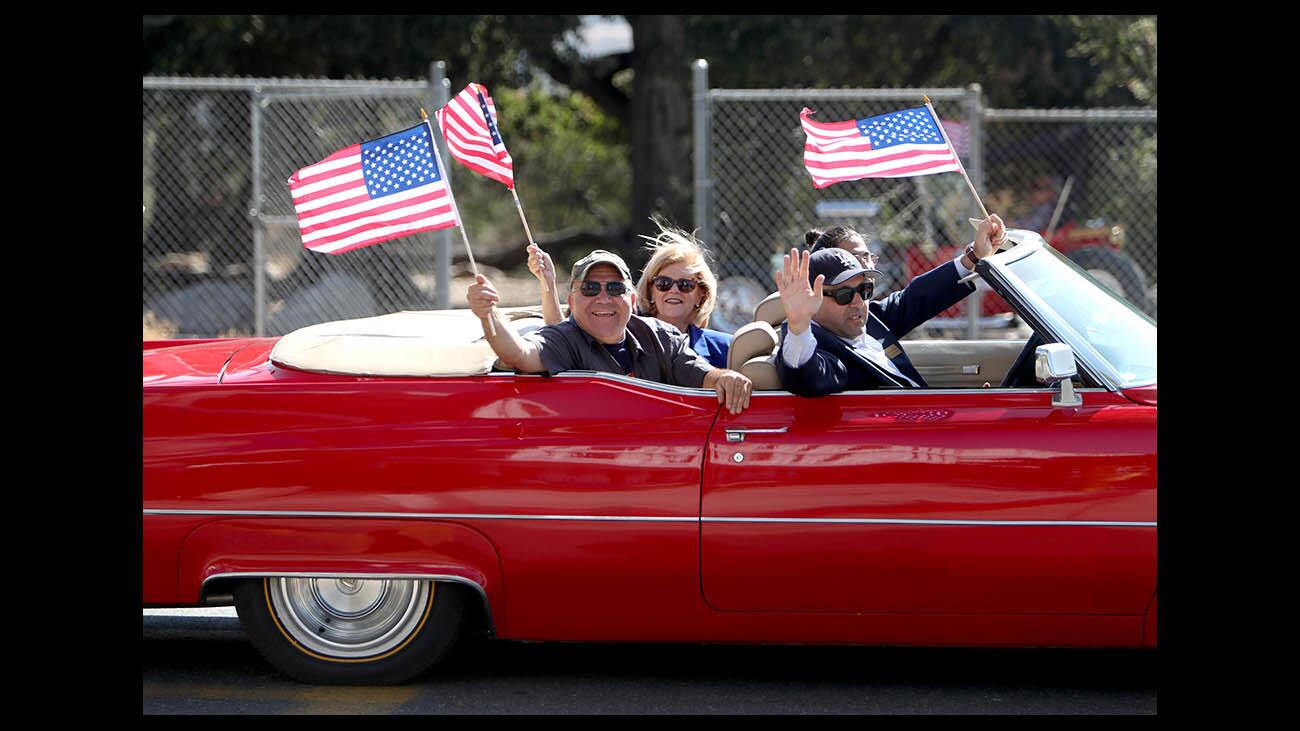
(364,491)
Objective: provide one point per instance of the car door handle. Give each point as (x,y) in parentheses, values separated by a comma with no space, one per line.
(738,435)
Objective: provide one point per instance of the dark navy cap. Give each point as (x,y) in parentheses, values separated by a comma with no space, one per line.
(838,265)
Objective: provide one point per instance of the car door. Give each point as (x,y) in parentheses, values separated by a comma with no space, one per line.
(948,501)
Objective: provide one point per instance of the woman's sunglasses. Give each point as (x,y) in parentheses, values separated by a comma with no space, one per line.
(615,288)
(844,295)
(664,284)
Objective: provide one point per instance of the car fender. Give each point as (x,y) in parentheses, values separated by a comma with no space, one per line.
(1149,624)
(272,546)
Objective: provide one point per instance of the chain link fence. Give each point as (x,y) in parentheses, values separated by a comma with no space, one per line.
(1085,179)
(222,250)
(222,253)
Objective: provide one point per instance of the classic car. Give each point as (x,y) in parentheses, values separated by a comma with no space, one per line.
(365,491)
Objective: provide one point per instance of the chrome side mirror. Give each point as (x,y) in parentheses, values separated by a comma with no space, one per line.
(1054,364)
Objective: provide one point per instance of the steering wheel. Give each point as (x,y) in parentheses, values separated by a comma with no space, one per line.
(1021,372)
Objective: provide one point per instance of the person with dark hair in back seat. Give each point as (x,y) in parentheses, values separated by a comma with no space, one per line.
(836,339)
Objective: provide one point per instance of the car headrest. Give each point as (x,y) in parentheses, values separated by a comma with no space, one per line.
(751,340)
(762,371)
(770,310)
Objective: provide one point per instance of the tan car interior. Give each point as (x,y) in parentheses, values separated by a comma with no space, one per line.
(451,343)
(943,363)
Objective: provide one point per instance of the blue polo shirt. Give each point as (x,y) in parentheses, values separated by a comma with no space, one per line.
(712,345)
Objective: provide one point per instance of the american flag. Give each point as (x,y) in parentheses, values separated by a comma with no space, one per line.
(469,124)
(893,145)
(367,193)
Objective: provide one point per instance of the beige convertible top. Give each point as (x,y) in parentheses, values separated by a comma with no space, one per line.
(427,343)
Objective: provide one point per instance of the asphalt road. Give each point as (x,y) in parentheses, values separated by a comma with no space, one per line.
(200,662)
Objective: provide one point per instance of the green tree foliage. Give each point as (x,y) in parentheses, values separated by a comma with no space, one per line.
(1020,60)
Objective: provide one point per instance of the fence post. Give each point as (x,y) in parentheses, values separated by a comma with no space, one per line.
(442,237)
(974,115)
(700,78)
(255,212)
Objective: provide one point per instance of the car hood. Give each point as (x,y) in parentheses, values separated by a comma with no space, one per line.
(191,362)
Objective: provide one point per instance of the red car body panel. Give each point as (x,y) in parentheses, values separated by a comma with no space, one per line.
(892,455)
(1149,626)
(597,508)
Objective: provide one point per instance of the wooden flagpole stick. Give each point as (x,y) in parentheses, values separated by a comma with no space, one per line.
(955,156)
(555,296)
(520,208)
(459,223)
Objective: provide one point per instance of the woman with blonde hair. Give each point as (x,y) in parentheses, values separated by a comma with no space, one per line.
(676,286)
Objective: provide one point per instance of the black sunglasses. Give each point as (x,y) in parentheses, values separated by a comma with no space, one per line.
(615,288)
(844,295)
(664,284)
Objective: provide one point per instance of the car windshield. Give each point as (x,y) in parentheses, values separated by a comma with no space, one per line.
(1102,327)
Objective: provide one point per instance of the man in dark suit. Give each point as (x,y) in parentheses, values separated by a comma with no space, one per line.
(836,339)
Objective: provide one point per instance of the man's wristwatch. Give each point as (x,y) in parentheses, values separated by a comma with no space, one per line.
(969,256)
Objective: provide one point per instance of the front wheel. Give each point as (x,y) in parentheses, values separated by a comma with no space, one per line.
(356,631)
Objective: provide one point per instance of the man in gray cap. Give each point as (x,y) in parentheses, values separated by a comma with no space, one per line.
(602,334)
(836,339)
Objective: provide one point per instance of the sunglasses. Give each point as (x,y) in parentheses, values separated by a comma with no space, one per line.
(615,288)
(844,295)
(664,284)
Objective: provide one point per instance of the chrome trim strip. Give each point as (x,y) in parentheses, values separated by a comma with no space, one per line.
(658,519)
(419,516)
(328,574)
(879,393)
(917,521)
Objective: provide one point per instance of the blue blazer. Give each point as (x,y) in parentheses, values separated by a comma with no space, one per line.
(835,366)
(712,345)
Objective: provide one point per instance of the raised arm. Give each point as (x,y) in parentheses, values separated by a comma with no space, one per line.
(520,354)
(540,264)
(801,300)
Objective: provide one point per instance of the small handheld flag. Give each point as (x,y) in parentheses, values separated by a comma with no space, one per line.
(372,192)
(894,145)
(469,124)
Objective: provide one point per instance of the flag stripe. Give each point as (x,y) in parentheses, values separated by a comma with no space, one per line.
(900,152)
(323,187)
(369,193)
(388,232)
(342,210)
(894,171)
(376,219)
(329,164)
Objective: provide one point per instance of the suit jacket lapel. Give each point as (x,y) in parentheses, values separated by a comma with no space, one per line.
(825,337)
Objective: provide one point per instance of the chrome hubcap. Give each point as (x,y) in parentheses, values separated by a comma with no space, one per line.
(348,617)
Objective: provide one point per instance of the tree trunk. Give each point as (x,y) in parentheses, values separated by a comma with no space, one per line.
(660,115)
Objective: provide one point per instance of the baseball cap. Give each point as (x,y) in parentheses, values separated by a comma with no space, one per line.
(599,256)
(838,265)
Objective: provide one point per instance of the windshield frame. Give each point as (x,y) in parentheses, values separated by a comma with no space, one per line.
(1043,318)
